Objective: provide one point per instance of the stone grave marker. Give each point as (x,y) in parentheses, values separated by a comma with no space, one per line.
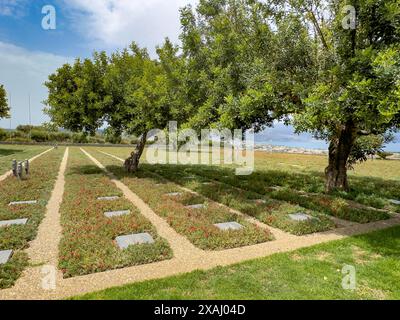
(27,167)
(133,239)
(229,226)
(7,223)
(14,166)
(20,170)
(112,214)
(17,203)
(300,216)
(174,194)
(196,206)
(111,198)
(5,255)
(260,201)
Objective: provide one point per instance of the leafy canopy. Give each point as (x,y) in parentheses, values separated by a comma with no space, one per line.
(4,109)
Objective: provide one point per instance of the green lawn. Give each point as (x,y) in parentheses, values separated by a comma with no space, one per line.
(11,152)
(310,273)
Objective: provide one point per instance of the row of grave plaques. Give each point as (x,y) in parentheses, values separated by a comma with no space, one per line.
(124,242)
(225,226)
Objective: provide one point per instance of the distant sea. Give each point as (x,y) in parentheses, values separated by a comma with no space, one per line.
(281,135)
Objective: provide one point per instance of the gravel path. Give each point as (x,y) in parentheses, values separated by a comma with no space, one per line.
(186,257)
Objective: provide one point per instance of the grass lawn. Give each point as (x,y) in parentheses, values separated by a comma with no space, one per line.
(87,244)
(196,224)
(38,186)
(301,191)
(373,183)
(310,273)
(11,152)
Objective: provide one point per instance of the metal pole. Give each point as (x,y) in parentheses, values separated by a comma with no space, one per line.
(30,120)
(10,116)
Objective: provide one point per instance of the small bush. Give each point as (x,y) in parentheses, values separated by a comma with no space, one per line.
(39,136)
(3,135)
(79,138)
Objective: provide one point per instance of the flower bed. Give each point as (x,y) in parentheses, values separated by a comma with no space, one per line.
(38,186)
(272,212)
(196,224)
(329,205)
(87,244)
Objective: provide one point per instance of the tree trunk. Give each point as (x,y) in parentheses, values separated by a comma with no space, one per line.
(339,151)
(132,163)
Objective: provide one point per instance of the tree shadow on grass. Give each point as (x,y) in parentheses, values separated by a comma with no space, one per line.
(85,170)
(367,190)
(8,152)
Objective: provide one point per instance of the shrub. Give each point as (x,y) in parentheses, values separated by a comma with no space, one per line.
(79,138)
(3,135)
(39,136)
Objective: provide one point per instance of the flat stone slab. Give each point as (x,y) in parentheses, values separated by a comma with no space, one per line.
(112,214)
(300,217)
(112,198)
(174,194)
(229,226)
(396,202)
(133,239)
(7,223)
(196,206)
(17,203)
(5,256)
(260,201)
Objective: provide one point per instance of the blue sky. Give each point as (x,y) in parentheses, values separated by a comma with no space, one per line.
(28,53)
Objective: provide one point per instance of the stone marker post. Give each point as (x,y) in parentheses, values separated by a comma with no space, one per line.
(19,170)
(27,168)
(14,167)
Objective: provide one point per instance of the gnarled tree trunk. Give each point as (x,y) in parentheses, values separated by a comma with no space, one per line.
(339,151)
(132,163)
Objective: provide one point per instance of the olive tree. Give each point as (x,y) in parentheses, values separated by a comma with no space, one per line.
(4,108)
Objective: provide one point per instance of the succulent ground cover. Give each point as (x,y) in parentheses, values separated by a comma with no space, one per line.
(372,184)
(319,202)
(88,240)
(19,153)
(38,186)
(270,211)
(170,202)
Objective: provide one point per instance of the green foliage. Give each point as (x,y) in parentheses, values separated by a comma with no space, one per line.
(39,136)
(3,134)
(4,109)
(130,91)
(112,137)
(80,138)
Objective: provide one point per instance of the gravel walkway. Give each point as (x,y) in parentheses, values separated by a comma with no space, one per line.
(186,257)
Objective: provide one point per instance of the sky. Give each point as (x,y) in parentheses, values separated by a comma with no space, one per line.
(29,53)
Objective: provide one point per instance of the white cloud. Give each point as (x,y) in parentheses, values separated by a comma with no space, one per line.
(22,73)
(116,23)
(12,7)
